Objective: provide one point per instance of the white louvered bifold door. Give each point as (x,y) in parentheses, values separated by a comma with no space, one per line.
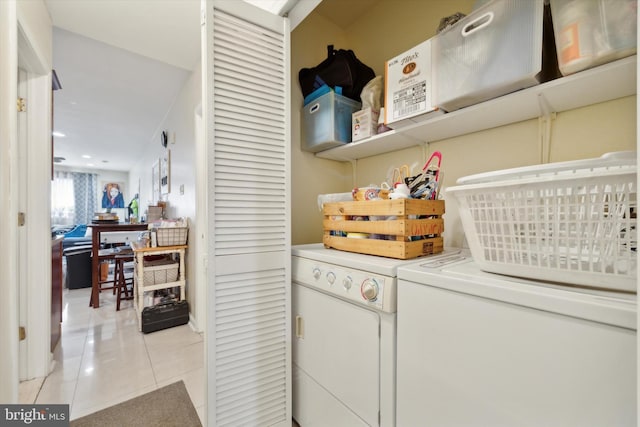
(248,301)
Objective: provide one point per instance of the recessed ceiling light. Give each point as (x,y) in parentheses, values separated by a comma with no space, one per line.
(105,161)
(90,164)
(58,134)
(86,156)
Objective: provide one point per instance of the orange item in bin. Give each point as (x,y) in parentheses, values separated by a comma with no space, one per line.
(104,271)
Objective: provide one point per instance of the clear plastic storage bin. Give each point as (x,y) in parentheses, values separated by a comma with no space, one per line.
(495,50)
(593,32)
(326,122)
(571,222)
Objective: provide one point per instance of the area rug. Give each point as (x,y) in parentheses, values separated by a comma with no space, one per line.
(168,406)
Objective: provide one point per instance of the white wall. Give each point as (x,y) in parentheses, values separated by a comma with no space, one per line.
(179,121)
(310,175)
(35,22)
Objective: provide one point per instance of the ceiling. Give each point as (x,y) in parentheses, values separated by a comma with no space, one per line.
(121,64)
(344,13)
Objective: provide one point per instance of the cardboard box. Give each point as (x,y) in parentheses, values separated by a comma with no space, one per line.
(364,124)
(408,84)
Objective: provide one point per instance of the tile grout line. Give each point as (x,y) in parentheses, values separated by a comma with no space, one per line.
(77,376)
(84,350)
(146,349)
(60,363)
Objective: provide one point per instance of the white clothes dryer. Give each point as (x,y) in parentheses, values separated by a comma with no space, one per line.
(482,349)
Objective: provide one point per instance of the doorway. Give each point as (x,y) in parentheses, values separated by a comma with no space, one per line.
(33,172)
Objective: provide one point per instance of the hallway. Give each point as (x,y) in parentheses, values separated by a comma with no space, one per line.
(103,359)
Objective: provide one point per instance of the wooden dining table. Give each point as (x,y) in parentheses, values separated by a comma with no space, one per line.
(96,230)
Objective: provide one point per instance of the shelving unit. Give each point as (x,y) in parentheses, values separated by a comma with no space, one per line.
(140,251)
(604,83)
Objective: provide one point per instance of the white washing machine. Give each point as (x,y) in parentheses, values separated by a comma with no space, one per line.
(481,349)
(344,334)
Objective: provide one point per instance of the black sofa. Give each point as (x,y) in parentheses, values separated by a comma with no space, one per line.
(78,267)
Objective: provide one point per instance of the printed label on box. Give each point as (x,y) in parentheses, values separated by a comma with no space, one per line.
(408,84)
(409,100)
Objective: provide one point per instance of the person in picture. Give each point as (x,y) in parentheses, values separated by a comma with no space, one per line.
(112,197)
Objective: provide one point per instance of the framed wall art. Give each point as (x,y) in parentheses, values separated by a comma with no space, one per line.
(165,173)
(112,195)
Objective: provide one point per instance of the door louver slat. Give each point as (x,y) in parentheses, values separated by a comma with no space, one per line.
(231,91)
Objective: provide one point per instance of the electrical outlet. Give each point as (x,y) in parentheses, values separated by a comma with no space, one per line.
(182,189)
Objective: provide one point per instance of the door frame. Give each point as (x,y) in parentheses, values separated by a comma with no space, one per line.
(25,33)
(201,235)
(8,189)
(34,238)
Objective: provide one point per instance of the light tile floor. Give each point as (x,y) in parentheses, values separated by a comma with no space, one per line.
(102,359)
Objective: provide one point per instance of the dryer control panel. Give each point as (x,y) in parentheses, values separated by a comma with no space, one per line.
(371,290)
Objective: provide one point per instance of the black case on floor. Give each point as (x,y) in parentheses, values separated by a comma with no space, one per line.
(163,316)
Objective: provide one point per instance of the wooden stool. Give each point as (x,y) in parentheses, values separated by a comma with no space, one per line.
(105,256)
(122,292)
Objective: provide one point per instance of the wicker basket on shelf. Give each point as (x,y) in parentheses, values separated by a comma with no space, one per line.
(172,236)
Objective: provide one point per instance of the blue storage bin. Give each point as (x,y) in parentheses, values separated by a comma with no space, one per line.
(326,122)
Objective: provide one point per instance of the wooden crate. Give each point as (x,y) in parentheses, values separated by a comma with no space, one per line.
(404,229)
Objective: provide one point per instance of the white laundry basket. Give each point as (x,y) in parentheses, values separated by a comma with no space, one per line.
(571,222)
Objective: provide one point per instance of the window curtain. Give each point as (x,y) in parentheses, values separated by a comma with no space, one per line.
(85,189)
(73,197)
(62,203)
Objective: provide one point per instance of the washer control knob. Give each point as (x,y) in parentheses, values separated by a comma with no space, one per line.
(369,289)
(316,273)
(347,282)
(331,277)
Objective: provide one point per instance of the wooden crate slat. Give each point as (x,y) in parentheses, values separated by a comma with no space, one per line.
(399,207)
(400,227)
(423,227)
(386,248)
